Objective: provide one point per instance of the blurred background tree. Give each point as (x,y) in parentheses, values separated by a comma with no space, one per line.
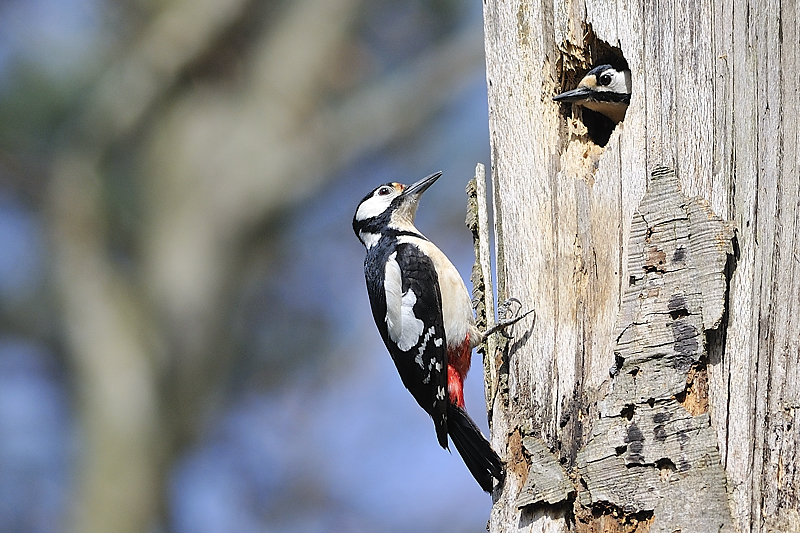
(185,340)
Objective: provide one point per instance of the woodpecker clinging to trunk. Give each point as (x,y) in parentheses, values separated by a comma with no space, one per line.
(424,315)
(602,89)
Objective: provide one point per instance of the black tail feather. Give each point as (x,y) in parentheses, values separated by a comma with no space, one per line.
(475,450)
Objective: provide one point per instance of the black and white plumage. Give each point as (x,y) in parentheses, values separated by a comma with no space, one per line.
(603,89)
(424,314)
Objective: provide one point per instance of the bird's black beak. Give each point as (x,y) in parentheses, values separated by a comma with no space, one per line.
(575,95)
(415,190)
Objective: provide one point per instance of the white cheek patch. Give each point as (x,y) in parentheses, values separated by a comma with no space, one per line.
(620,83)
(404,328)
(373,206)
(369,239)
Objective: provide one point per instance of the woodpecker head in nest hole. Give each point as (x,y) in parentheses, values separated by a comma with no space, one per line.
(604,90)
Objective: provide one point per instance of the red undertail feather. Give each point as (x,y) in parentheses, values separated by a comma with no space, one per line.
(459,359)
(472,446)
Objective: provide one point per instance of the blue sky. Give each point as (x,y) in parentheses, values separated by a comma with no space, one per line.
(337,444)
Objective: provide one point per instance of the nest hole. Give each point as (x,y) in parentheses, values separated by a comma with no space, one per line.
(595,52)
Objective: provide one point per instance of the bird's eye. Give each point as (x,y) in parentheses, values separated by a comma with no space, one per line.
(383,191)
(605,79)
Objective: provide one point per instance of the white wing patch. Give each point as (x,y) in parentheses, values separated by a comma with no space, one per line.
(404,327)
(456,301)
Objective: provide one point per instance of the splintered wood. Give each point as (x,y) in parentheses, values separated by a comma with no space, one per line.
(648,453)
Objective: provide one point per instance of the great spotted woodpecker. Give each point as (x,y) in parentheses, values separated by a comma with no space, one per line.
(602,89)
(424,315)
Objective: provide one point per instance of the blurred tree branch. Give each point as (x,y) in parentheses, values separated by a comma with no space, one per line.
(217,161)
(182,32)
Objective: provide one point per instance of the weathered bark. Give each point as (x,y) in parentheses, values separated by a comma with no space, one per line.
(652,451)
(712,83)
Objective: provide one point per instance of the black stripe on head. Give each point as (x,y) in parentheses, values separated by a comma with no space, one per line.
(610,97)
(599,69)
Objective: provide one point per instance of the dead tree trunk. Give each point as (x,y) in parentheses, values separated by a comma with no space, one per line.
(659,387)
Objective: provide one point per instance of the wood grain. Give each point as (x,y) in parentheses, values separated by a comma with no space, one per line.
(715,97)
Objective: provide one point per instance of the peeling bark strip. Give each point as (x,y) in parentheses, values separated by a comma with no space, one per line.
(547,481)
(477,222)
(647,453)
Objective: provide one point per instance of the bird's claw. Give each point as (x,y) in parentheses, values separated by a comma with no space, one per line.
(504,310)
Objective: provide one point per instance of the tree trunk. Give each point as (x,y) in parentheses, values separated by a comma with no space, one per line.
(657,389)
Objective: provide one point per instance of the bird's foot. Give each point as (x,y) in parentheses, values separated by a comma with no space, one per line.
(509,310)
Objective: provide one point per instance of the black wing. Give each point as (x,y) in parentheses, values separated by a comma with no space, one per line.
(421,357)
